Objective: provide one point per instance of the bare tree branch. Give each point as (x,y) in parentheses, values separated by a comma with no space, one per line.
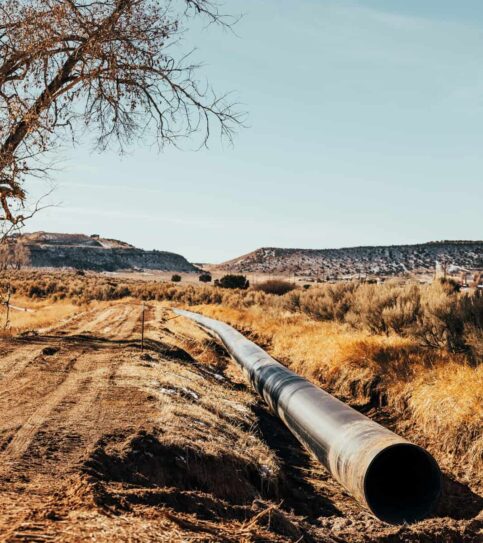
(106,66)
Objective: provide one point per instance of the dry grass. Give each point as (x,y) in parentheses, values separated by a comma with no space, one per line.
(42,314)
(446,404)
(436,397)
(409,351)
(436,315)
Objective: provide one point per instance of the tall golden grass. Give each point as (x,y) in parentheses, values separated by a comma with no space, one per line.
(406,351)
(436,315)
(40,314)
(434,397)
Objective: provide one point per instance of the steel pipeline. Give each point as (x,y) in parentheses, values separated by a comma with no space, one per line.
(395,479)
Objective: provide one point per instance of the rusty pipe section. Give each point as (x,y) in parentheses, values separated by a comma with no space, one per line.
(395,479)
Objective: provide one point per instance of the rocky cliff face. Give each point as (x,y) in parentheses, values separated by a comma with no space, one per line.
(48,250)
(390,260)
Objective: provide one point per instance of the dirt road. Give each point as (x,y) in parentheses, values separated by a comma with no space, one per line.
(100,442)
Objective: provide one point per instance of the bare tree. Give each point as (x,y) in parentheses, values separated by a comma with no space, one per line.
(20,256)
(14,254)
(4,256)
(105,66)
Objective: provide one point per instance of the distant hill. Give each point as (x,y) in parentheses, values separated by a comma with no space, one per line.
(377,260)
(52,250)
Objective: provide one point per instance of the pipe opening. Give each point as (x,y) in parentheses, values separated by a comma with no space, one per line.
(402,484)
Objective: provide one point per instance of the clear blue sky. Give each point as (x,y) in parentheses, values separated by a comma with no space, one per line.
(365,127)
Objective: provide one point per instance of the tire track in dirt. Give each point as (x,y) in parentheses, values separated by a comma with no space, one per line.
(53,440)
(68,323)
(21,441)
(126,322)
(117,322)
(82,378)
(13,363)
(98,321)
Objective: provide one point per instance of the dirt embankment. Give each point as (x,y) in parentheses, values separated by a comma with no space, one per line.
(99,441)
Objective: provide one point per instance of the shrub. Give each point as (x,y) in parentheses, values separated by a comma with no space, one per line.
(205,278)
(292,302)
(275,286)
(233,281)
(36,291)
(450,321)
(122,291)
(383,309)
(176,278)
(437,316)
(330,302)
(450,286)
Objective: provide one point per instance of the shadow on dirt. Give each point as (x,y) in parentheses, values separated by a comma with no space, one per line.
(458,501)
(298,494)
(141,470)
(146,460)
(98,342)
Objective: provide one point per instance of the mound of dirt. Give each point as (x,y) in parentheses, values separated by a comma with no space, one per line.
(147,460)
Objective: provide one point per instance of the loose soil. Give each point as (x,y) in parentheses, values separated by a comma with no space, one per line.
(100,441)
